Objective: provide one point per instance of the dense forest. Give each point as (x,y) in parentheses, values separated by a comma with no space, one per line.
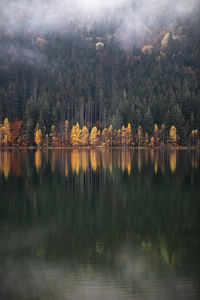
(97,76)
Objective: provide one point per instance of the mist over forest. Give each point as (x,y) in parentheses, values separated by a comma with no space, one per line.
(100,63)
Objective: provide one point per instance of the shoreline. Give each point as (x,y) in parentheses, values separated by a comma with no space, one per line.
(168,148)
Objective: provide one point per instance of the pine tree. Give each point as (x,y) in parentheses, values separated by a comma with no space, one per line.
(139,135)
(66,131)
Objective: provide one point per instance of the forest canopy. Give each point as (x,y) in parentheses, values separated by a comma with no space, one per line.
(103,73)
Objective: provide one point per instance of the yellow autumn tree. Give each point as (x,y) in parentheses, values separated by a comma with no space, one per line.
(53,135)
(173,135)
(6,132)
(146,139)
(155,135)
(75,136)
(194,137)
(110,129)
(123,135)
(84,136)
(94,136)
(1,134)
(117,137)
(38,135)
(128,134)
(107,136)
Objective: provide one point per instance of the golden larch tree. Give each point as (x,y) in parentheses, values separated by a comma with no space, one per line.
(106,137)
(110,129)
(128,134)
(155,135)
(146,139)
(173,135)
(94,136)
(53,135)
(123,135)
(75,136)
(84,136)
(38,135)
(6,131)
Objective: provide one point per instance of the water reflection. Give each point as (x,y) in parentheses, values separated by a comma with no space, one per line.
(99,223)
(97,159)
(172,160)
(38,159)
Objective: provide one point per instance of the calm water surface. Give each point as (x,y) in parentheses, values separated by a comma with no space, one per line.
(99,224)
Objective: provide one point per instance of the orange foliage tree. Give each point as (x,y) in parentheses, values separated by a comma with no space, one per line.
(15,131)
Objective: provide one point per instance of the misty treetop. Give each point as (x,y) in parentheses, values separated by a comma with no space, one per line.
(102,72)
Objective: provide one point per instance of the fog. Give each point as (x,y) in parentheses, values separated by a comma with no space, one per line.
(47,15)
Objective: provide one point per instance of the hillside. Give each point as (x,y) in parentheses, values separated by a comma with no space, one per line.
(98,73)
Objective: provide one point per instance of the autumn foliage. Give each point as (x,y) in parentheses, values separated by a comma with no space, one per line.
(13,135)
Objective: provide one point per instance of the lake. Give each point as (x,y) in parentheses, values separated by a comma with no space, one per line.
(99,224)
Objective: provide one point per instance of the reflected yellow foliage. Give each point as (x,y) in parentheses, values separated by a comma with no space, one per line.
(194,160)
(139,161)
(128,162)
(152,155)
(84,160)
(93,160)
(172,161)
(156,163)
(38,160)
(123,160)
(76,161)
(5,163)
(10,163)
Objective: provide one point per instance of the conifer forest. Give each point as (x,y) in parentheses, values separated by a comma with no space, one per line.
(95,82)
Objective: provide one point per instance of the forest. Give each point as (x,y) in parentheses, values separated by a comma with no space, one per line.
(110,90)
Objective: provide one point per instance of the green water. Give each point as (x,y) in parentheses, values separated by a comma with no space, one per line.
(99,224)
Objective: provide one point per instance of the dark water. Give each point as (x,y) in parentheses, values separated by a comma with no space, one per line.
(99,224)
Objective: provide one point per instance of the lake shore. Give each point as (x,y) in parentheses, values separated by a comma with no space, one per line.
(100,147)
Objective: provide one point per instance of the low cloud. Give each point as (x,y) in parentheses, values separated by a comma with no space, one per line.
(51,14)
